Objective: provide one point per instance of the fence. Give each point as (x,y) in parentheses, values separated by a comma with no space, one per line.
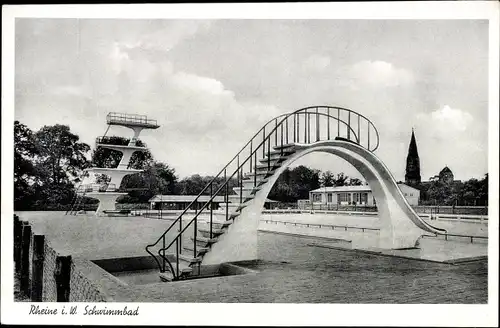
(44,274)
(472,210)
(445,236)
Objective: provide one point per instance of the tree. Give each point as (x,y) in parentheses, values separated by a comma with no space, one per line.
(194,184)
(24,169)
(355,182)
(295,184)
(158,178)
(327,179)
(341,180)
(60,154)
(105,157)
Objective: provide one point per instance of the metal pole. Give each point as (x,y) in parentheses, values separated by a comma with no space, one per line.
(281,127)
(177,257)
(196,233)
(225,196)
(359,136)
(338,122)
(255,169)
(163,257)
(368,135)
(286,130)
(180,236)
(241,187)
(305,127)
(328,123)
(294,127)
(317,125)
(276,132)
(268,154)
(349,126)
(250,156)
(211,210)
(263,142)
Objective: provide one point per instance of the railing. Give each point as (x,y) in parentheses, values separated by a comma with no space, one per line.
(319,225)
(111,140)
(304,126)
(447,235)
(118,118)
(364,229)
(95,187)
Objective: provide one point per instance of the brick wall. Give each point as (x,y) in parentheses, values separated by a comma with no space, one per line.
(82,289)
(55,280)
(49,289)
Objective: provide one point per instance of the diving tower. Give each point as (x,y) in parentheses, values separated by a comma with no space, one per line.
(109,192)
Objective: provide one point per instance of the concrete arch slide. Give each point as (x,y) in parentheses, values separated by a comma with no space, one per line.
(400,225)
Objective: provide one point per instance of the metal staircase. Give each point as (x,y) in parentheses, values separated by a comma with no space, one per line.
(180,249)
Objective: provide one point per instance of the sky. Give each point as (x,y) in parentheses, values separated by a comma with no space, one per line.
(212,84)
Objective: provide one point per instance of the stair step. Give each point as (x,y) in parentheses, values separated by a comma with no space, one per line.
(277,159)
(259,173)
(189,259)
(199,250)
(285,151)
(288,145)
(266,165)
(232,216)
(260,181)
(204,240)
(240,207)
(167,276)
(245,189)
(236,198)
(214,231)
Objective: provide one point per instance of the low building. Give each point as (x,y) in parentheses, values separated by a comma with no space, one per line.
(356,195)
(180,202)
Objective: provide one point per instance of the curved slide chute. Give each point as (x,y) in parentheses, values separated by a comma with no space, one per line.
(401,227)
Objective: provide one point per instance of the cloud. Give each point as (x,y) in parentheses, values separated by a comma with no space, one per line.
(197,113)
(317,63)
(377,74)
(445,121)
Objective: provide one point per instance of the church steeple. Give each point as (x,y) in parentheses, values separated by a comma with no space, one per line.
(412,176)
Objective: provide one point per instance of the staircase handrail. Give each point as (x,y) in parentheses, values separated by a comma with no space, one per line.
(227,179)
(220,188)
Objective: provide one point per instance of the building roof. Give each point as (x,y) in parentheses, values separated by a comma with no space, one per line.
(184,198)
(445,169)
(342,188)
(350,188)
(190,198)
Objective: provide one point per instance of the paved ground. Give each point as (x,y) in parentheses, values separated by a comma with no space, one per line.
(299,273)
(290,270)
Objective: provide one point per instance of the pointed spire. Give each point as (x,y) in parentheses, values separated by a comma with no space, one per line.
(412,150)
(412,175)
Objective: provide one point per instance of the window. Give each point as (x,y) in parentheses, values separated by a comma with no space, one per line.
(406,194)
(411,194)
(344,197)
(316,197)
(364,198)
(330,197)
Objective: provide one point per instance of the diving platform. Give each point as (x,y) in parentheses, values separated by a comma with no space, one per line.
(121,148)
(107,193)
(131,120)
